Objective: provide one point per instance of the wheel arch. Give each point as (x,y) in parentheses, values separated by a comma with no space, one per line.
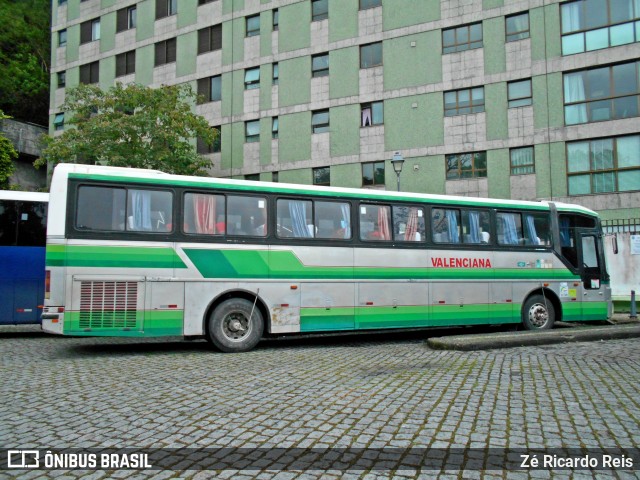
(236,293)
(549,295)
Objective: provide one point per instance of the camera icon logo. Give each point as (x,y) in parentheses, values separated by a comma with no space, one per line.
(23,459)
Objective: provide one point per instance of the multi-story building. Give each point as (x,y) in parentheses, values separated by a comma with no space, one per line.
(523,99)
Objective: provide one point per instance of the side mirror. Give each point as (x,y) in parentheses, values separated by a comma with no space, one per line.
(614,244)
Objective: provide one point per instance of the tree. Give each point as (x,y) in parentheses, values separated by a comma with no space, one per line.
(25,52)
(131,126)
(7,155)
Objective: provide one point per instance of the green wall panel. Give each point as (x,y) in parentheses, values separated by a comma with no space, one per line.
(144,65)
(544,26)
(73,10)
(233,32)
(543,170)
(185,59)
(232,147)
(410,12)
(434,174)
(348,175)
(265,140)
(73,43)
(295,27)
(145,19)
(107,32)
(344,80)
(343,19)
(409,66)
(266,80)
(107,72)
(302,176)
(488,4)
(558,178)
(498,172)
(187,13)
(548,107)
(414,121)
(495,98)
(412,179)
(266,28)
(294,143)
(107,3)
(295,81)
(495,57)
(345,130)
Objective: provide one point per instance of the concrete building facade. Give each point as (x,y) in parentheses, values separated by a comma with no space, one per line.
(522,99)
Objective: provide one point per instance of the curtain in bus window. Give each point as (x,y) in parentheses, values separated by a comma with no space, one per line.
(140,218)
(411,229)
(346,223)
(565,235)
(383,223)
(530,230)
(298,214)
(452,220)
(510,230)
(204,207)
(474,227)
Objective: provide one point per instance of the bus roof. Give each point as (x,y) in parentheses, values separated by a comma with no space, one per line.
(24,196)
(137,175)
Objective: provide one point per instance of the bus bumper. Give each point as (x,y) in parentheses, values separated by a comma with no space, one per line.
(53,323)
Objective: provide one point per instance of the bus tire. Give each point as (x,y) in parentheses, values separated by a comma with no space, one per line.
(236,325)
(538,313)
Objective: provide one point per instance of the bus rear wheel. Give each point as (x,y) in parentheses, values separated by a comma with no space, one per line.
(236,325)
(538,313)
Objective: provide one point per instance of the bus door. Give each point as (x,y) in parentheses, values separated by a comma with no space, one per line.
(592,273)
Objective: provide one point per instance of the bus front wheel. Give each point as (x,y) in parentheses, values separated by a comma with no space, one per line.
(236,325)
(538,313)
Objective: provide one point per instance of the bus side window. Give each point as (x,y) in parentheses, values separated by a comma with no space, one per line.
(445,224)
(475,226)
(8,224)
(408,224)
(246,216)
(294,219)
(374,222)
(204,214)
(149,211)
(100,208)
(509,228)
(332,220)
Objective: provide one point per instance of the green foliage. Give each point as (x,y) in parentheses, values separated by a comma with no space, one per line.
(131,126)
(25,50)
(7,155)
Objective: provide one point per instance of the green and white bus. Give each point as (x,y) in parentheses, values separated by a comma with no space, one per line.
(142,253)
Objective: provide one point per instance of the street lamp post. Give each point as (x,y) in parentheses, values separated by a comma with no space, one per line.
(397,162)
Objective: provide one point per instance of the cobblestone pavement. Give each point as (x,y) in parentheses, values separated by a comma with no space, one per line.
(360,392)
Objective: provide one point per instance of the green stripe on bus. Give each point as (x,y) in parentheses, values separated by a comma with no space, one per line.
(148,323)
(285,264)
(112,256)
(582,311)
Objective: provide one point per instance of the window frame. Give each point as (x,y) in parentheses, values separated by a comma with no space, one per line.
(476,172)
(452,112)
(210,39)
(322,14)
(372,117)
(88,31)
(323,71)
(251,84)
(128,63)
(126,18)
(166,8)
(462,45)
(251,30)
(316,125)
(528,168)
(364,55)
(206,89)
(373,165)
(167,50)
(516,35)
(370,4)
(317,172)
(92,70)
(520,101)
(251,137)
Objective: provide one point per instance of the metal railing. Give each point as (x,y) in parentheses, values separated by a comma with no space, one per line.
(621,225)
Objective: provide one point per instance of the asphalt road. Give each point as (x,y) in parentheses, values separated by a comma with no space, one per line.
(374,406)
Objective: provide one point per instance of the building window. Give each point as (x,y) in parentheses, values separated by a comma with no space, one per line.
(522,161)
(210,39)
(462,38)
(322,176)
(253,25)
(365,4)
(165,52)
(90,31)
(252,78)
(320,121)
(58,122)
(601,94)
(519,93)
(373,174)
(466,165)
(275,126)
(205,149)
(372,114)
(276,74)
(90,73)
(126,19)
(517,27)
(603,165)
(210,89)
(371,55)
(275,177)
(252,131)
(62,2)
(204,2)
(62,79)
(591,25)
(320,65)
(126,63)
(319,10)
(62,37)
(465,101)
(275,24)
(166,8)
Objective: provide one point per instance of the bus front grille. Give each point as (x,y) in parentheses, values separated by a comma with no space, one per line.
(108,304)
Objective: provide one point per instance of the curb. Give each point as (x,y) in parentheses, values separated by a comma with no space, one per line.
(489,341)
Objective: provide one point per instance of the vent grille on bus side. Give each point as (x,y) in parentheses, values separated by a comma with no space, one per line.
(108,304)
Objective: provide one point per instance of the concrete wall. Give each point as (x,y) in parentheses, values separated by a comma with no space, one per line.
(26,140)
(623,268)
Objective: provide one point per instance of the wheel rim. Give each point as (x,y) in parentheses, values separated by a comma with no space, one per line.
(538,315)
(236,326)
